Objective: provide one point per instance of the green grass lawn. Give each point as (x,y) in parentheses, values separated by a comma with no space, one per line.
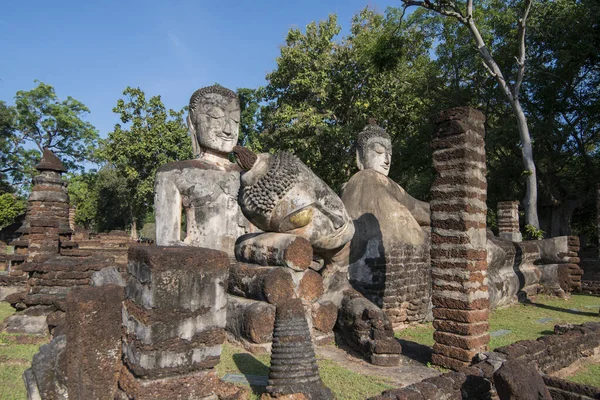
(344,383)
(588,375)
(16,352)
(522,320)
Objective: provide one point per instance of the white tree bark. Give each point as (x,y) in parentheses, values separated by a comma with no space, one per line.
(451,9)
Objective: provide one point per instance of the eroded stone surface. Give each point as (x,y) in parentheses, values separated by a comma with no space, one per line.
(94,341)
(47,377)
(274,249)
(174,315)
(389,255)
(366,329)
(281,194)
(518,380)
(205,188)
(458,237)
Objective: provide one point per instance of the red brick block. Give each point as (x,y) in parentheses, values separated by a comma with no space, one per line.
(478,342)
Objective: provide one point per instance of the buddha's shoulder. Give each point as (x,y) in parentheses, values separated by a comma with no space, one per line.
(197,164)
(369,176)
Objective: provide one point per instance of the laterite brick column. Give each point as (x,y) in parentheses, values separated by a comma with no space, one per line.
(508,221)
(458,238)
(598,215)
(46,222)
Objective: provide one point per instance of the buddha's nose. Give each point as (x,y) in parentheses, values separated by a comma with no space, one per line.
(227,129)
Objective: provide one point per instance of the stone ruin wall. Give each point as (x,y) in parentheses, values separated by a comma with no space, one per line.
(49,258)
(517,270)
(590,281)
(152,351)
(547,355)
(400,283)
(158,337)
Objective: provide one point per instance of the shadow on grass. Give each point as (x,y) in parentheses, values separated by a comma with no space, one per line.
(559,309)
(249,365)
(416,351)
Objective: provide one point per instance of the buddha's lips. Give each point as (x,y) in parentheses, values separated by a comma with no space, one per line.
(224,137)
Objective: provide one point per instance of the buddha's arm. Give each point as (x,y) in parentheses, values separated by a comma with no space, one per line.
(167,206)
(419,209)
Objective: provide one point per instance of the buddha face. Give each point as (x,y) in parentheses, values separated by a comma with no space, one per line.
(216,122)
(377,155)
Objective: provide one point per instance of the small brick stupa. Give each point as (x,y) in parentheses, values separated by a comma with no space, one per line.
(294,367)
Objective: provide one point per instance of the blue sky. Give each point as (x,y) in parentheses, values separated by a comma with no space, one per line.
(93,50)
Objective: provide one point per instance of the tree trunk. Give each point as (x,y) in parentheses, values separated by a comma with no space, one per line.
(530,200)
(134,234)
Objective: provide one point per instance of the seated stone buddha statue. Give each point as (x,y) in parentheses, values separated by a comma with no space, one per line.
(205,188)
(389,255)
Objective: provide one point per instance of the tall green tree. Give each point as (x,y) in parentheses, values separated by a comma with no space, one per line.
(325,89)
(559,98)
(249,119)
(463,13)
(38,120)
(42,119)
(563,105)
(149,136)
(100,198)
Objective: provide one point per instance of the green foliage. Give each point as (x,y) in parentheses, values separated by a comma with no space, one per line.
(325,89)
(560,97)
(57,125)
(532,233)
(149,136)
(83,196)
(41,119)
(249,119)
(100,198)
(11,207)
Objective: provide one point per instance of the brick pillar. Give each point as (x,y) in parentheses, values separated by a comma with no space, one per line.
(598,215)
(174,317)
(46,222)
(458,238)
(508,221)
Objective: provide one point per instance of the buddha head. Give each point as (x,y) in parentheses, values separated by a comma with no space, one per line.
(374,149)
(213,120)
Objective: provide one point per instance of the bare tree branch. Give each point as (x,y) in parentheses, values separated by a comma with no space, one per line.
(521,58)
(437,8)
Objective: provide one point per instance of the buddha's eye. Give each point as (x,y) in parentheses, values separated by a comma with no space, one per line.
(378,148)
